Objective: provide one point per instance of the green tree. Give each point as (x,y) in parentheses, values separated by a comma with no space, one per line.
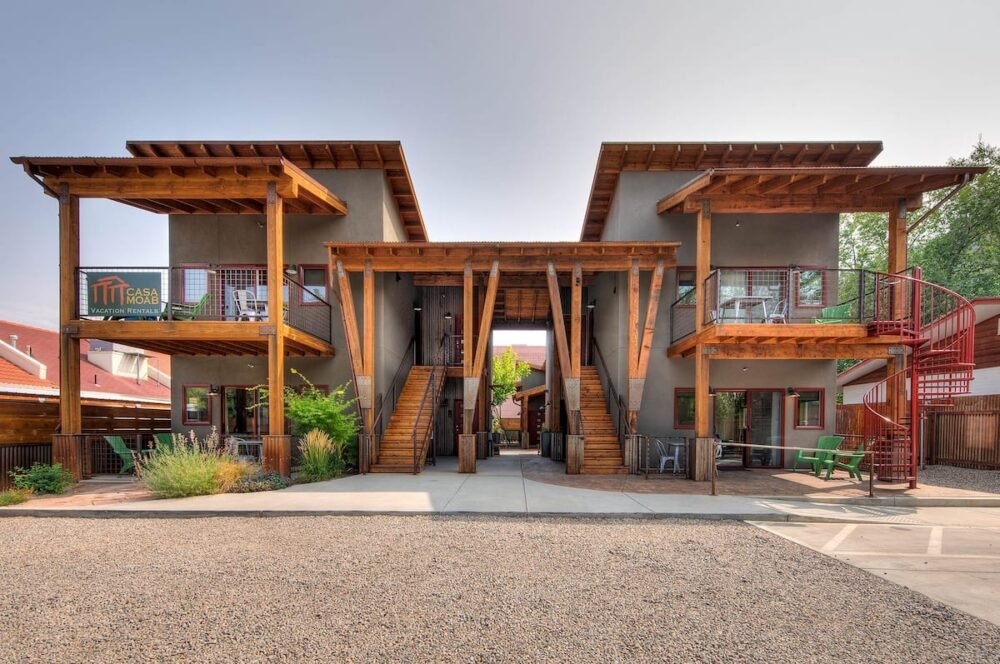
(508,370)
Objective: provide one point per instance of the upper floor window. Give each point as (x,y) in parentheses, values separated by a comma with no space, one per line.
(686,281)
(195,283)
(810,288)
(314,283)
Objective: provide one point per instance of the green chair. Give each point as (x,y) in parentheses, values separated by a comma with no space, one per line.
(853,457)
(181,311)
(842,313)
(164,441)
(817,460)
(124,453)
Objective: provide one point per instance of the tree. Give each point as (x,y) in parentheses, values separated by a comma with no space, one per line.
(508,370)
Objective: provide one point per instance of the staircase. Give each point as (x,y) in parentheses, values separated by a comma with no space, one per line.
(937,326)
(602,450)
(403,447)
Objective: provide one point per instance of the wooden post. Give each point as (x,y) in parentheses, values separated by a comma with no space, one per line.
(703,457)
(368,345)
(703,260)
(576,320)
(898,257)
(633,336)
(277,445)
(570,382)
(66,444)
(637,375)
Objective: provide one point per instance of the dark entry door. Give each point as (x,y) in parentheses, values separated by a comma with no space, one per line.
(536,420)
(457,421)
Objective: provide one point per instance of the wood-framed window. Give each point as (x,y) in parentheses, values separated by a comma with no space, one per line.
(810,288)
(196,405)
(314,284)
(686,286)
(684,408)
(193,282)
(809,408)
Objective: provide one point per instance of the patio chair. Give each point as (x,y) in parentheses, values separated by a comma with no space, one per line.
(181,311)
(817,459)
(667,453)
(164,441)
(853,457)
(780,313)
(247,306)
(838,314)
(127,456)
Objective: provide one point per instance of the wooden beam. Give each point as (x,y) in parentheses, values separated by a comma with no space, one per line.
(649,326)
(746,351)
(703,259)
(694,185)
(576,320)
(558,323)
(275,311)
(70,414)
(368,343)
(486,320)
(350,319)
(633,320)
(792,203)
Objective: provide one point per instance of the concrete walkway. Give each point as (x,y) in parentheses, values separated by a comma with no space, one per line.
(499,487)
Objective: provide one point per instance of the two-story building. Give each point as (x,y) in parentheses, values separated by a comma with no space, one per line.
(703,298)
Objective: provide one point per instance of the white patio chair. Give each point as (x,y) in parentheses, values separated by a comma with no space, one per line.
(663,450)
(247,306)
(780,313)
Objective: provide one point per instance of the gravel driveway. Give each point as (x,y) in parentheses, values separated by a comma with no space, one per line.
(458,588)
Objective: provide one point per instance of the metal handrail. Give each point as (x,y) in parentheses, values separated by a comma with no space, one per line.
(615,403)
(429,392)
(396,384)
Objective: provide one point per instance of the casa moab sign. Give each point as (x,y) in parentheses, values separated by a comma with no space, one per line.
(124,294)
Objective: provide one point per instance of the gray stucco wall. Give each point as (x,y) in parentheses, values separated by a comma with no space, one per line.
(241,239)
(737,241)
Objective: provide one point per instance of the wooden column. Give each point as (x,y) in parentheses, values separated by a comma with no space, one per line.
(897,255)
(637,372)
(570,381)
(703,457)
(66,445)
(576,320)
(703,261)
(368,346)
(633,334)
(468,320)
(277,445)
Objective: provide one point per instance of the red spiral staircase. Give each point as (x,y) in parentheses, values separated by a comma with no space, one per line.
(933,364)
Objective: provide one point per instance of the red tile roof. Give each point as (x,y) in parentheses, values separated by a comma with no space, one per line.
(11,374)
(44,347)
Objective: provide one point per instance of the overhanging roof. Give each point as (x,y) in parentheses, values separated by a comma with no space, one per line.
(385,155)
(186,185)
(813,189)
(617,157)
(529,257)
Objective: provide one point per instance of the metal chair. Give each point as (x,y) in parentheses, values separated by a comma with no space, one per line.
(780,313)
(667,453)
(247,306)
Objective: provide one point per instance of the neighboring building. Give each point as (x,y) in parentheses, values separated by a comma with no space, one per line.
(702,297)
(525,410)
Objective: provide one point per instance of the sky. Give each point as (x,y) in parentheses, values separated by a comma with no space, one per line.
(501,106)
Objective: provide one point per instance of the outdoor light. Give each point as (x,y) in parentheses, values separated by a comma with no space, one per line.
(791,391)
(447,315)
(417,307)
(745,369)
(213,390)
(711,392)
(592,304)
(292,270)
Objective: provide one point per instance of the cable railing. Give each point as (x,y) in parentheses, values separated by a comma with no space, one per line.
(387,400)
(429,403)
(197,293)
(615,403)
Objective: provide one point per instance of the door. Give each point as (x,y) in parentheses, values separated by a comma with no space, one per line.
(457,351)
(241,414)
(536,420)
(765,428)
(456,420)
(730,422)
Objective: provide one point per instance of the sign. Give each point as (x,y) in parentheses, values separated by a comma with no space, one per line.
(124,294)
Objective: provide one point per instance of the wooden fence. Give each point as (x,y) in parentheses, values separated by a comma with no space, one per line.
(27,425)
(966,434)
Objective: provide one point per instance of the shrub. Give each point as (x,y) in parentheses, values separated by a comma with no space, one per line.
(322,457)
(14,496)
(260,482)
(194,468)
(43,478)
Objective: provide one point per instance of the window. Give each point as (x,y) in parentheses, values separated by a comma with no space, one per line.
(314,285)
(809,409)
(684,409)
(810,288)
(686,287)
(195,284)
(196,404)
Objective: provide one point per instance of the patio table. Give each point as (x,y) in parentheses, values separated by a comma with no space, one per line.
(749,301)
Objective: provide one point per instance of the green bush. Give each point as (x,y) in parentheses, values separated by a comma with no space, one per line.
(322,457)
(260,482)
(194,468)
(14,496)
(43,478)
(333,413)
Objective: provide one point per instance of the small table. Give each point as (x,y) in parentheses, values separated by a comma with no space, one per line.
(748,301)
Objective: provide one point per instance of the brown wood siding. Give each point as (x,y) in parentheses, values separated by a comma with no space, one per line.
(30,421)
(988,343)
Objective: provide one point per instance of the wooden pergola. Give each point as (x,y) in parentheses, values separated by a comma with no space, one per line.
(268,186)
(497,263)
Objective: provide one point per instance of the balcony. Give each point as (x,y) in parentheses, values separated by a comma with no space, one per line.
(199,310)
(790,305)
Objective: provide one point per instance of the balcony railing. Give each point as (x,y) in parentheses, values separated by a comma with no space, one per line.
(782,295)
(197,294)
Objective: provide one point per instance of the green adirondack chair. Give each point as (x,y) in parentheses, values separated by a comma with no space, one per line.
(164,441)
(839,314)
(853,457)
(181,311)
(816,460)
(124,453)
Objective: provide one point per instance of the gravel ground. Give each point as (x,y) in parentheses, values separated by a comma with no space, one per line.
(961,478)
(411,589)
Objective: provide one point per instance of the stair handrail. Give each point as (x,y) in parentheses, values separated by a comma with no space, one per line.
(396,384)
(431,391)
(938,326)
(611,396)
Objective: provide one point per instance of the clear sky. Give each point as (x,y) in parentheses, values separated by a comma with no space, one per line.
(501,106)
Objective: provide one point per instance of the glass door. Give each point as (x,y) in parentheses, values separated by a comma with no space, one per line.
(765,428)
(730,426)
(243,416)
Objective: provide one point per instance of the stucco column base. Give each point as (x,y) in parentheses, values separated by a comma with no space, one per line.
(467,453)
(278,454)
(525,440)
(702,465)
(574,454)
(67,450)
